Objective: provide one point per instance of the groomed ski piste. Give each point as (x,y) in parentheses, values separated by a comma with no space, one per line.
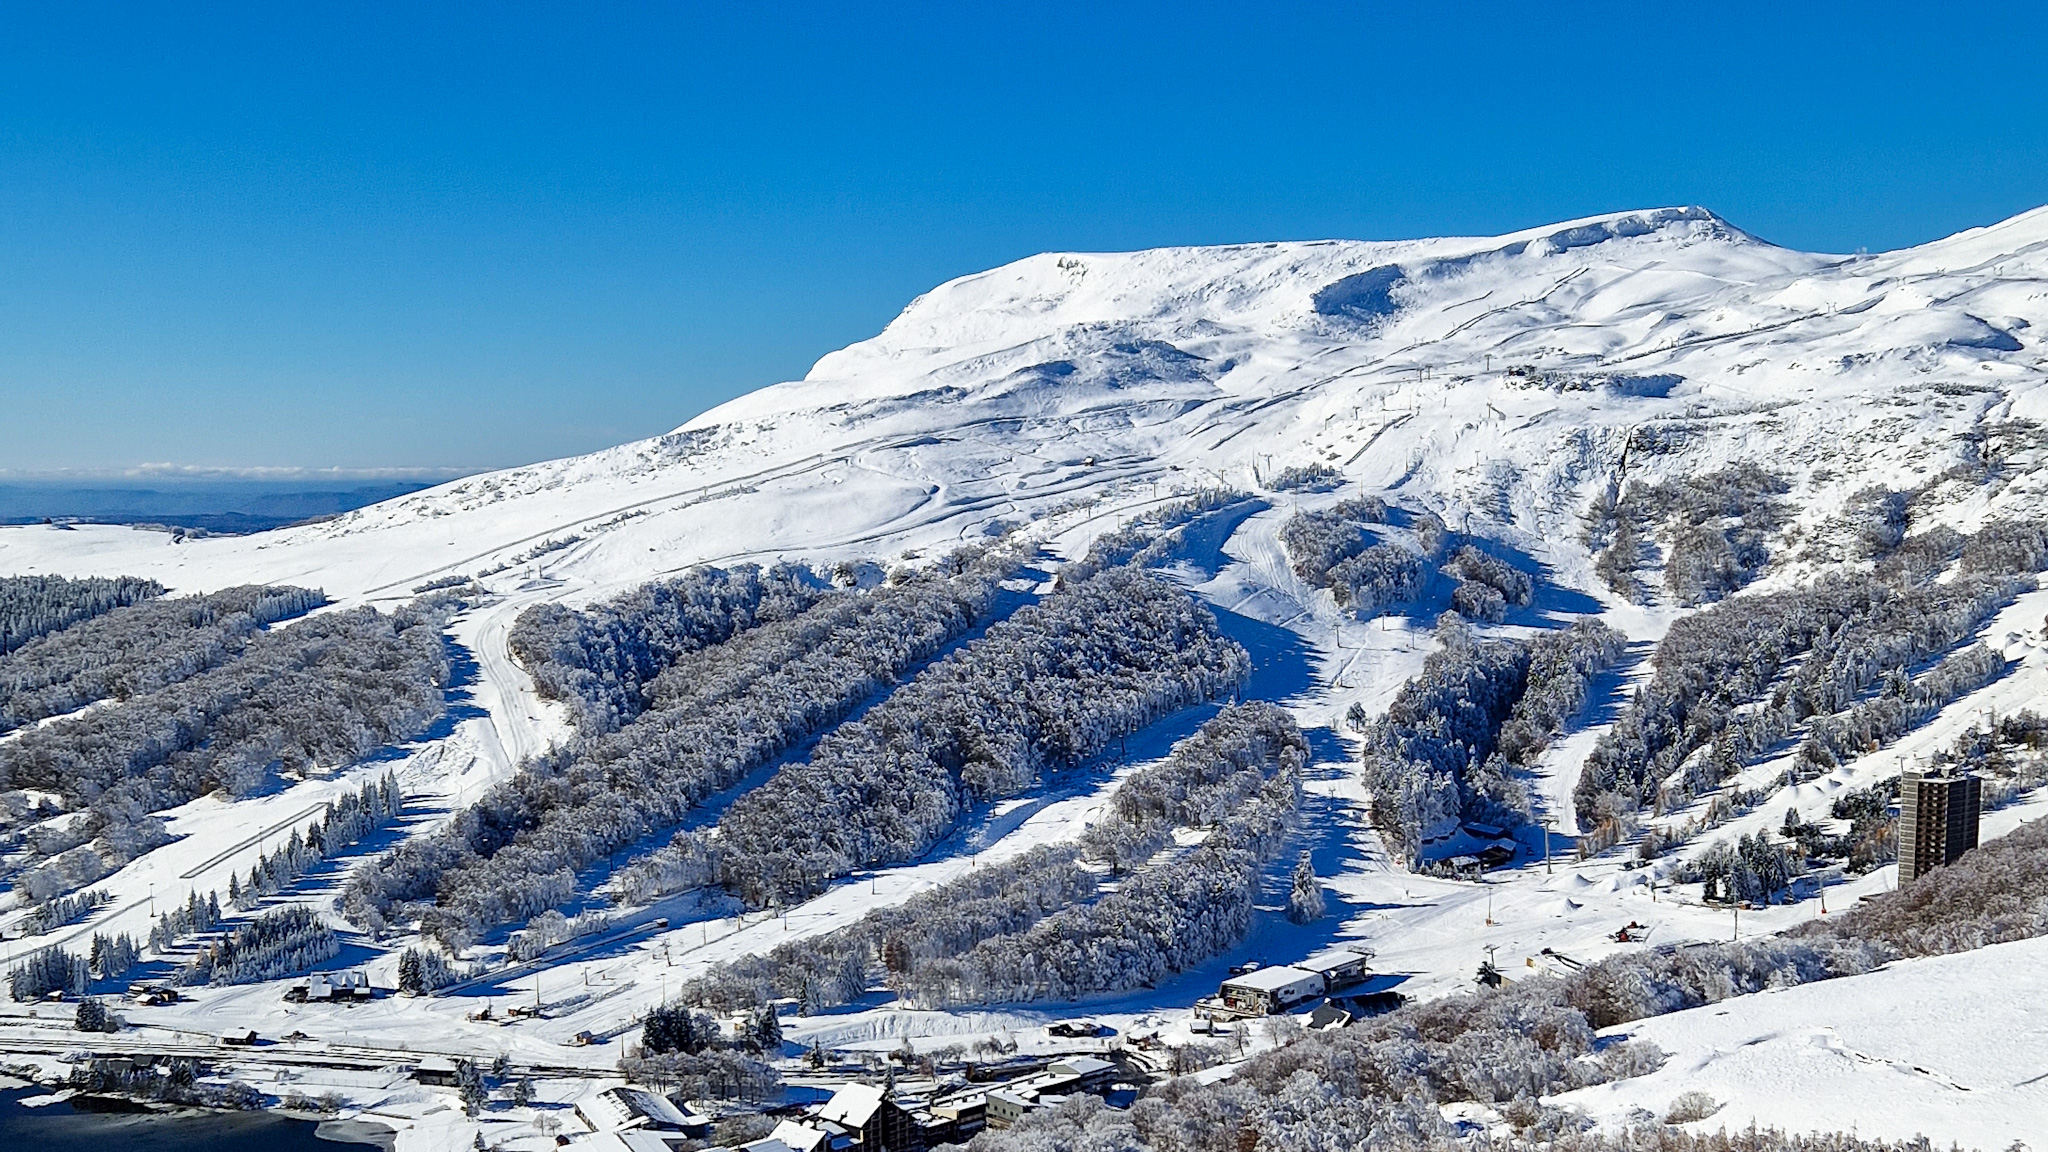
(1504,384)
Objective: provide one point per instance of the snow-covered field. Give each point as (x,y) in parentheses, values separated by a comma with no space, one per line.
(1951,1047)
(1504,383)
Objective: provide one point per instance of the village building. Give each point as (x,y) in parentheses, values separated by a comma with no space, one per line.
(869,1121)
(636,1140)
(625,1109)
(1938,816)
(438,1071)
(1266,991)
(1340,967)
(1004,1104)
(1467,847)
(800,1137)
(331,987)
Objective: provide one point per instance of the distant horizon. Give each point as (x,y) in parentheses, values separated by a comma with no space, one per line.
(173,474)
(220,504)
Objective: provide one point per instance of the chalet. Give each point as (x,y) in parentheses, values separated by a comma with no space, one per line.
(1073,1030)
(239,1039)
(331,987)
(438,1071)
(628,1109)
(1270,990)
(1467,847)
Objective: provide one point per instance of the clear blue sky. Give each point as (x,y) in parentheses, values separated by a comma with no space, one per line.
(363,236)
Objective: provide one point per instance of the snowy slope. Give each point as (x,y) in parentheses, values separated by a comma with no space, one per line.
(1503,382)
(1952,1047)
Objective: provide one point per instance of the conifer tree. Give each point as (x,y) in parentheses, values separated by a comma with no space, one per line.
(1305,901)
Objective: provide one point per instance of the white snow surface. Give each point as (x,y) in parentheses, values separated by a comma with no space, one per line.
(1503,382)
(1954,1048)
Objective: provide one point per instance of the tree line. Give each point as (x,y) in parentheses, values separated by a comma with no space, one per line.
(1734,680)
(323,691)
(1221,777)
(601,659)
(31,606)
(1448,748)
(1715,530)
(132,650)
(706,723)
(1046,688)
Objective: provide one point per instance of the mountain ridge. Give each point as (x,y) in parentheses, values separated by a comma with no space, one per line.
(1493,377)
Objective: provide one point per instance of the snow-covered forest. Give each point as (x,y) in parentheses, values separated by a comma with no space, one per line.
(601,660)
(131,651)
(31,606)
(1714,531)
(698,725)
(323,691)
(1235,777)
(1045,689)
(1450,745)
(1733,680)
(283,942)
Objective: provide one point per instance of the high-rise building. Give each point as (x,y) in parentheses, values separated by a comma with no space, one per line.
(1938,812)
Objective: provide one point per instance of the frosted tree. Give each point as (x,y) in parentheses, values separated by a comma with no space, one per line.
(1305,901)
(92,1016)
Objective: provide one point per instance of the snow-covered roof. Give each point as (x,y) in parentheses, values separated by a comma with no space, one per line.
(1329,958)
(1271,979)
(853,1105)
(798,1136)
(631,1140)
(616,1108)
(1082,1065)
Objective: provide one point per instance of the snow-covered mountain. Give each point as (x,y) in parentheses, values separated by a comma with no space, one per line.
(1513,385)
(1503,381)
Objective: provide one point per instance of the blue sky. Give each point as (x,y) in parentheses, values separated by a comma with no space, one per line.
(368,237)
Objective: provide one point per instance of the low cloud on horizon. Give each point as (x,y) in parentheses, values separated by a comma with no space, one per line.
(157,473)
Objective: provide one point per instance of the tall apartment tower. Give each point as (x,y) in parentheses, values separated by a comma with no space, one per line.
(1938,813)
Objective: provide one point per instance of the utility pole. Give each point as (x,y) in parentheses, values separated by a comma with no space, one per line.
(1546,846)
